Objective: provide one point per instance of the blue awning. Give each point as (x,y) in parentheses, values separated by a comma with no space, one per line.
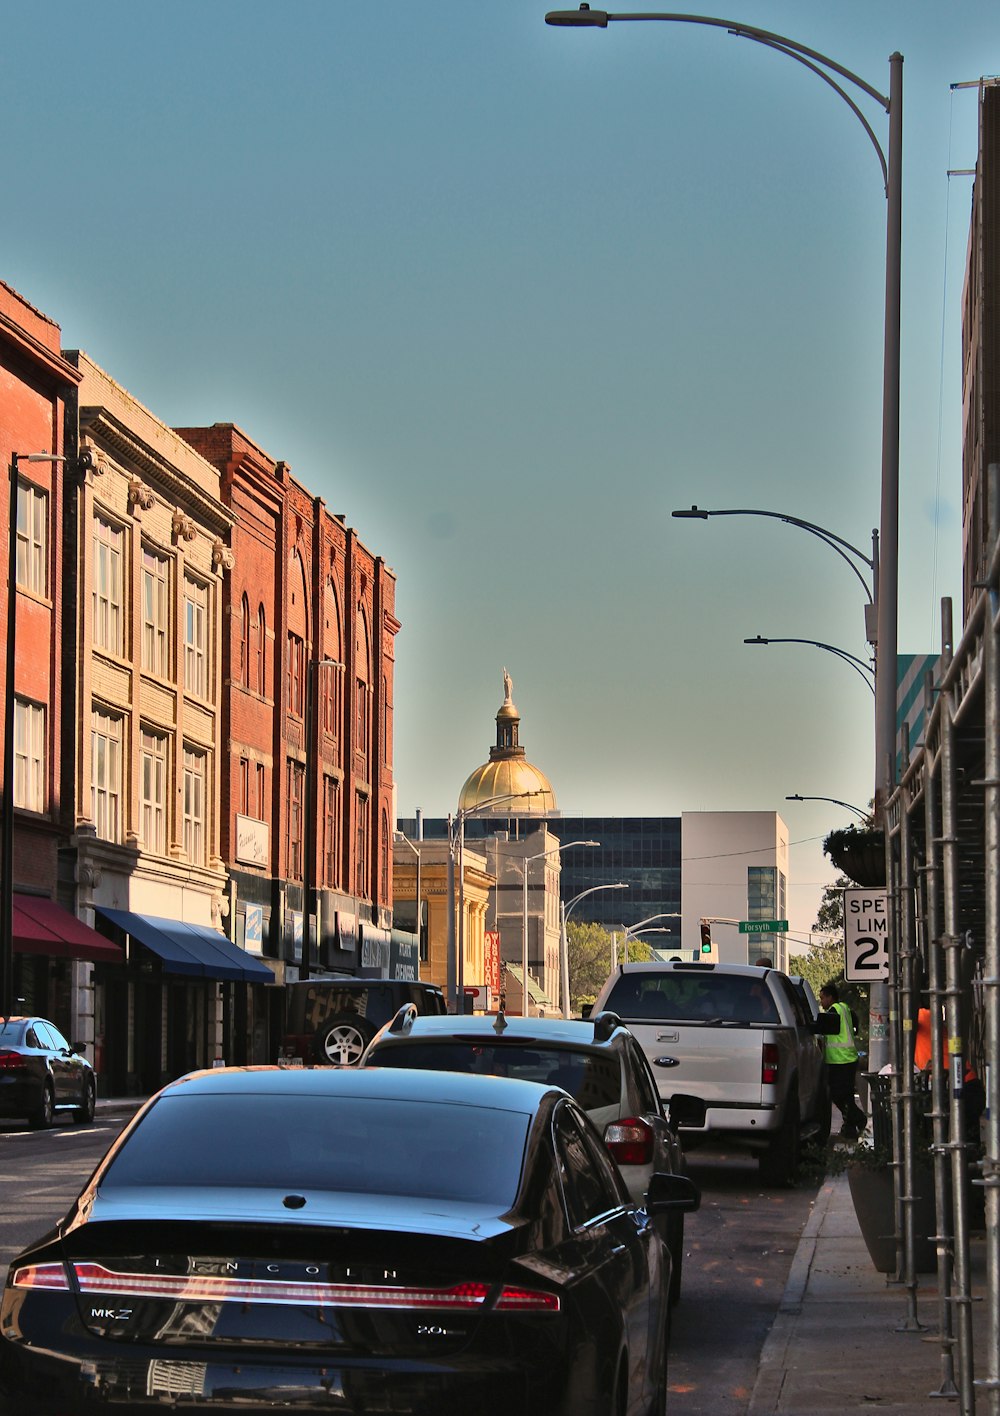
(190,949)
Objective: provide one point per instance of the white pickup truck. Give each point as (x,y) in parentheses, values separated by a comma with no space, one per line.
(737,1053)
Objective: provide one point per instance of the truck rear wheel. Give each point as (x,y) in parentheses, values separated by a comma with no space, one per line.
(780,1161)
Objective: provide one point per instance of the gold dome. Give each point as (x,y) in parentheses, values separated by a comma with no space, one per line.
(512,778)
(522,788)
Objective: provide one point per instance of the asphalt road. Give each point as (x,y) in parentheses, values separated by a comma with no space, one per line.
(738,1250)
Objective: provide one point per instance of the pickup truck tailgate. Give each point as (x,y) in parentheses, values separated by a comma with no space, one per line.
(721,1063)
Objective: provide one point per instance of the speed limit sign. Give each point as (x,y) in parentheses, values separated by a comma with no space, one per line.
(866,935)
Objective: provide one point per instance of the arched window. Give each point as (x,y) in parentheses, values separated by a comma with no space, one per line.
(332,707)
(245,642)
(260,649)
(385,897)
(362,695)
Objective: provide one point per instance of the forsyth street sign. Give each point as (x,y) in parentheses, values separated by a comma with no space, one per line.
(763,926)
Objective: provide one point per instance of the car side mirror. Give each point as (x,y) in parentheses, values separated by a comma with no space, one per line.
(671,1193)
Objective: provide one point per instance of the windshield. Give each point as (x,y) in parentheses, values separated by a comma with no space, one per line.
(592,1078)
(693,998)
(372,1145)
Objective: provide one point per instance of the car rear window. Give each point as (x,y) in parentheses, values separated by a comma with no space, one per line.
(347,1144)
(693,998)
(592,1078)
(12,1032)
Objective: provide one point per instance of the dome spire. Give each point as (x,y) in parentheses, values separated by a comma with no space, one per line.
(508,773)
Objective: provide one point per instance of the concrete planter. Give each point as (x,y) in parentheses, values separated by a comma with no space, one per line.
(871,1191)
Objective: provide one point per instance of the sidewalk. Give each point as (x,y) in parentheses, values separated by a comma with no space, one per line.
(834,1345)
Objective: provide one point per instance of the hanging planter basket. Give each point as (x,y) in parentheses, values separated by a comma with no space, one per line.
(859,853)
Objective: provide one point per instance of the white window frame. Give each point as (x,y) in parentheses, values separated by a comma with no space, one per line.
(153,791)
(195,638)
(109,582)
(106,735)
(29,755)
(155,612)
(32,538)
(194,788)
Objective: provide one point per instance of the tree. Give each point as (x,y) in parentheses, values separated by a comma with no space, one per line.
(824,963)
(588,948)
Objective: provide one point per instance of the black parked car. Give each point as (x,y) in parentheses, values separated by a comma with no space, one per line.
(332,1020)
(41,1074)
(424,1243)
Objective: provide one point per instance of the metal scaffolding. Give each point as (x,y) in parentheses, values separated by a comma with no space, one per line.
(943,870)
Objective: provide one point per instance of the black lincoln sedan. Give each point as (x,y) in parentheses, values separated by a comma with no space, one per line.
(42,1074)
(346,1241)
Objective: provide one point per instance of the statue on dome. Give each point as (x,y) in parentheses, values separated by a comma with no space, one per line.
(508,686)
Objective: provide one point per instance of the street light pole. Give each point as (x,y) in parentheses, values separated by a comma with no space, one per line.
(524,925)
(456,938)
(887,578)
(405,840)
(633,930)
(565,910)
(309,833)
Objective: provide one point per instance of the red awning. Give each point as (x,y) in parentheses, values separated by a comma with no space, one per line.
(43,927)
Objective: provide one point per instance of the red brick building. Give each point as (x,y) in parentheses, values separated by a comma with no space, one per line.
(52,952)
(309,613)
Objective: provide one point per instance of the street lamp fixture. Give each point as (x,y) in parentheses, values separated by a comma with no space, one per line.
(633,930)
(309,834)
(542,855)
(887,596)
(835,800)
(77,465)
(565,910)
(858,665)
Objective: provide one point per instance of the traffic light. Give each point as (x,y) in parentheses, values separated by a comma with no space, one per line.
(706,939)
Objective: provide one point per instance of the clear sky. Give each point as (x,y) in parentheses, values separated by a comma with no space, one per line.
(505,295)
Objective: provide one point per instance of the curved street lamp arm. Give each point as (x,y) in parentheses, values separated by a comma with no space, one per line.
(599,19)
(859,666)
(834,541)
(822,74)
(797,796)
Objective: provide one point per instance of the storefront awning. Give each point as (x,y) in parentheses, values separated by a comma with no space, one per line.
(40,926)
(190,949)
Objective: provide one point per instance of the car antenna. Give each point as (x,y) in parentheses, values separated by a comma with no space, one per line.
(501,1023)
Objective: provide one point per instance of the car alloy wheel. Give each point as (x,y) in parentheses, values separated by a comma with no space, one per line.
(344,1041)
(42,1118)
(85,1114)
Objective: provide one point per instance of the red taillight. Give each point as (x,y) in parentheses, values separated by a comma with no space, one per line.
(526,1300)
(49,1276)
(769,1064)
(630,1141)
(12,1062)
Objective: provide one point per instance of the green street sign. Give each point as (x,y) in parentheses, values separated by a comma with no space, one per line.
(763,926)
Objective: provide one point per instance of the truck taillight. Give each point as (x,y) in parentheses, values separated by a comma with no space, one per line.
(769,1064)
(630,1141)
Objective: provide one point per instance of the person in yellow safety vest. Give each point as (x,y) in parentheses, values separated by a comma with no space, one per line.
(842,1064)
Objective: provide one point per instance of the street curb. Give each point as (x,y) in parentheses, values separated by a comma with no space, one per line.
(773,1366)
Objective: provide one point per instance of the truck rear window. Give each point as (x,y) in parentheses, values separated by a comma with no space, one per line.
(689,998)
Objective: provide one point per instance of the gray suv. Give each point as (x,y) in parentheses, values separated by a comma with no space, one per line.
(599,1063)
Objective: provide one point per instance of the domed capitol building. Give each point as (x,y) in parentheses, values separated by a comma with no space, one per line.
(524,858)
